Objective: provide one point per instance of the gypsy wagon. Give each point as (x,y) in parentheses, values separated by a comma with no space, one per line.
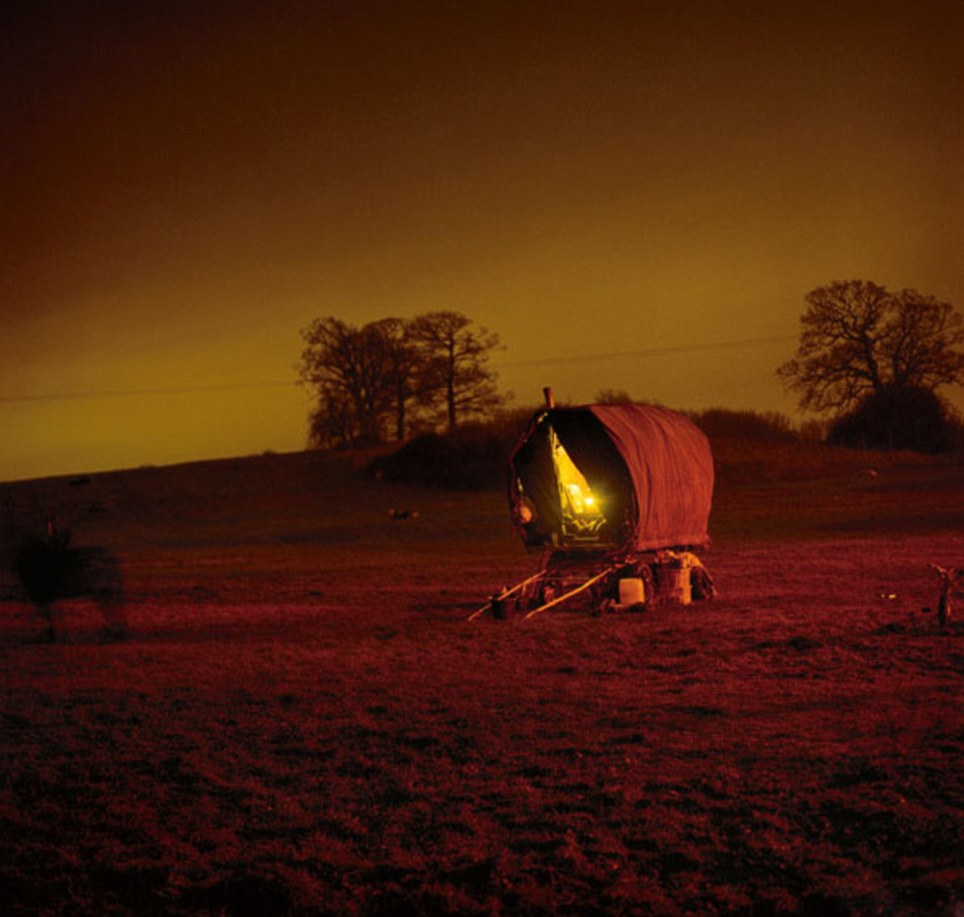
(617,499)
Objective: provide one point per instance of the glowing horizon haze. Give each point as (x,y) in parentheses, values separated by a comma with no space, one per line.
(633,196)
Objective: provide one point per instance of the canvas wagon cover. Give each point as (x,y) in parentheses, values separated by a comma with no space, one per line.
(671,466)
(654,464)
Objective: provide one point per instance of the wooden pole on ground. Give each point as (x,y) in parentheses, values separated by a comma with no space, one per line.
(505,594)
(572,592)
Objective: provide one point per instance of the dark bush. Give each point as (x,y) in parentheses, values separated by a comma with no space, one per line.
(767,426)
(897,417)
(469,460)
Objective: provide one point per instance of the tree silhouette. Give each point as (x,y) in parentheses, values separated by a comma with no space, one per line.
(332,421)
(858,339)
(404,364)
(351,370)
(455,373)
(368,380)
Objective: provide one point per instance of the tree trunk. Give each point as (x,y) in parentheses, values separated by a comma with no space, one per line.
(400,417)
(450,388)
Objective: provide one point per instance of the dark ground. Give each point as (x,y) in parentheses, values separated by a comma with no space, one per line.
(301,721)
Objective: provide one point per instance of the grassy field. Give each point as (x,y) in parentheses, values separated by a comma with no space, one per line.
(301,721)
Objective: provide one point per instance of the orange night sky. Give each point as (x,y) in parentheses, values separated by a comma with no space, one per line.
(633,195)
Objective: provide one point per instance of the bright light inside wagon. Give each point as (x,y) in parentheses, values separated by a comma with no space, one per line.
(580,501)
(577,497)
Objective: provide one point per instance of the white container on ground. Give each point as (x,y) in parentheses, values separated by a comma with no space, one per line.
(631,591)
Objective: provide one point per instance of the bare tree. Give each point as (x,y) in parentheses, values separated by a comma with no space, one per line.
(368,380)
(454,371)
(403,363)
(858,339)
(332,421)
(351,370)
(920,340)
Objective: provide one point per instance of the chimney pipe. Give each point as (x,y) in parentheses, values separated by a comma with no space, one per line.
(550,398)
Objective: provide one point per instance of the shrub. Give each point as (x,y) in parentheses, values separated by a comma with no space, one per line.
(768,426)
(461,461)
(898,417)
(474,457)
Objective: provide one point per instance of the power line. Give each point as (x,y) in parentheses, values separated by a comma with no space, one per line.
(135,392)
(649,352)
(277,383)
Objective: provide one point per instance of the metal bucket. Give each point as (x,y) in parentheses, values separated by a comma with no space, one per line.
(674,584)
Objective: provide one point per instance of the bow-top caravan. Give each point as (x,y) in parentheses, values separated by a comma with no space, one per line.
(617,497)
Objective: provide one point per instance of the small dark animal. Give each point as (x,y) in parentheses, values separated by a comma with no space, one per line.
(403,514)
(50,570)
